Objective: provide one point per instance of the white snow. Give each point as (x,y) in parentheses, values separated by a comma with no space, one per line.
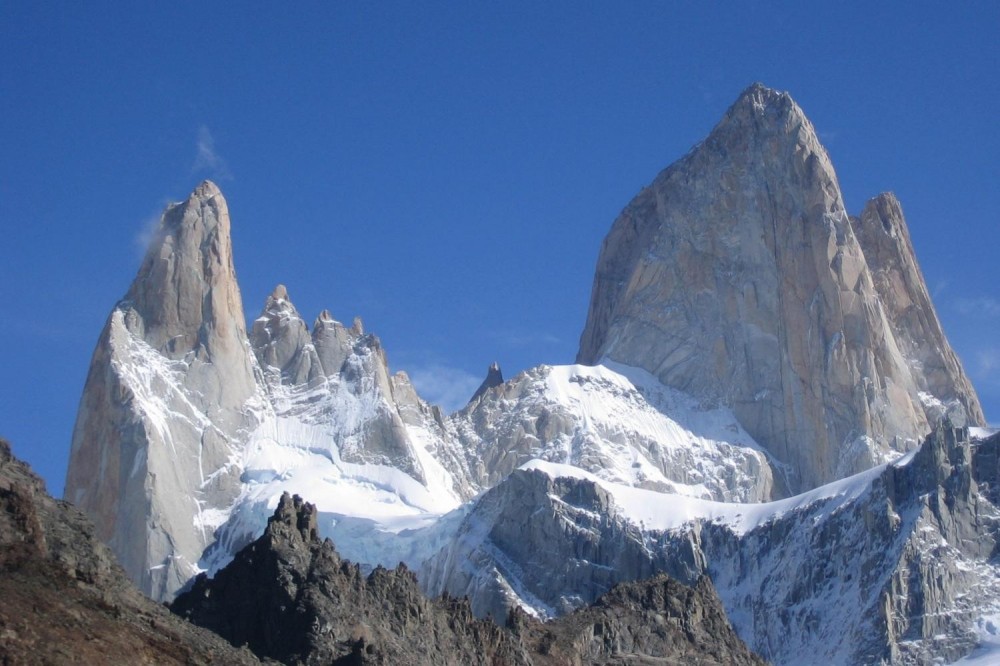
(987,653)
(982,433)
(622,425)
(662,511)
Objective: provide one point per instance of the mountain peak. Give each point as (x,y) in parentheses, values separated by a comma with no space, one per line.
(206,190)
(187,283)
(760,111)
(183,305)
(737,277)
(494,378)
(762,101)
(280,293)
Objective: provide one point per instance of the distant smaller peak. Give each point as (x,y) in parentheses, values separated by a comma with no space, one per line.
(325,316)
(494,378)
(358,326)
(885,199)
(280,293)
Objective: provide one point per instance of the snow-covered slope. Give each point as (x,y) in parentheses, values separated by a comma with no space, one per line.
(618,423)
(596,419)
(543,492)
(893,565)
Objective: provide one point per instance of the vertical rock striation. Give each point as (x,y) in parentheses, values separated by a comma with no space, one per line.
(738,277)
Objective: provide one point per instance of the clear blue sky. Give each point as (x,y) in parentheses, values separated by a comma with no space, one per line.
(448,171)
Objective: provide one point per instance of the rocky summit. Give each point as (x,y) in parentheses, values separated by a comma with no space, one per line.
(738,277)
(170,380)
(765,409)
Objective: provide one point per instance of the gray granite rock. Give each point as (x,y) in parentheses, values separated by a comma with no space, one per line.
(738,277)
(167,394)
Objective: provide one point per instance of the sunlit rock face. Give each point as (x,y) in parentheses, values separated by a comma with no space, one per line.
(738,277)
(167,392)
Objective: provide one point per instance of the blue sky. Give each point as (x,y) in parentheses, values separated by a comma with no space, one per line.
(448,171)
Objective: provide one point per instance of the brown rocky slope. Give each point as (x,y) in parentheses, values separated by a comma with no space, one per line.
(66,601)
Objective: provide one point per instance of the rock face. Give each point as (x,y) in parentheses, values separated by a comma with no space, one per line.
(652,621)
(65,600)
(493,379)
(168,392)
(894,565)
(290,596)
(881,231)
(738,277)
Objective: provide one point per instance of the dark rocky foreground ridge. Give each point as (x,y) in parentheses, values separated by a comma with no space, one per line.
(65,600)
(291,597)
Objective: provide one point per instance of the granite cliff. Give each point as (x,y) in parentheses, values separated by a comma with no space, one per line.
(738,277)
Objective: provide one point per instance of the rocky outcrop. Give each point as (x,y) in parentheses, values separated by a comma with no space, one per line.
(902,574)
(881,230)
(895,565)
(553,545)
(322,366)
(65,599)
(170,389)
(289,596)
(281,340)
(652,621)
(738,277)
(493,379)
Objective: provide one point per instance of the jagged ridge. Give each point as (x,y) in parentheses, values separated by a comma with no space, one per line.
(290,596)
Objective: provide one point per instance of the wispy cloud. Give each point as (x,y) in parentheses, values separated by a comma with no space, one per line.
(207,159)
(146,233)
(983,307)
(444,385)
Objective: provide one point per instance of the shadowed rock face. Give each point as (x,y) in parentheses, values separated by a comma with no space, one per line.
(290,596)
(737,276)
(165,395)
(65,600)
(897,565)
(653,621)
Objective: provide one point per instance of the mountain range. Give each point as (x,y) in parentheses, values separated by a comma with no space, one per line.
(764,408)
